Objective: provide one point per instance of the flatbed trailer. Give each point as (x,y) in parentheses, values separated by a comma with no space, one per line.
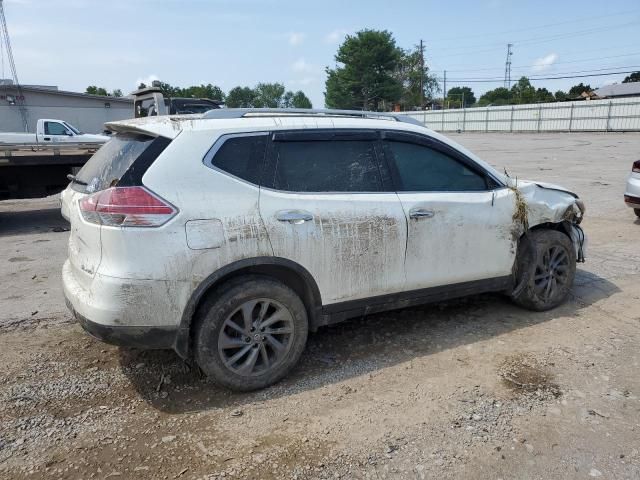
(33,171)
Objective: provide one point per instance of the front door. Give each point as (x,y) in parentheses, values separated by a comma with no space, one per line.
(56,132)
(324,205)
(459,223)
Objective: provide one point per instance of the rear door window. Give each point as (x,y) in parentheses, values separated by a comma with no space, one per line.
(325,166)
(109,164)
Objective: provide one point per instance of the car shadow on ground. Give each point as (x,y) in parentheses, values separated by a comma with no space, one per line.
(32,221)
(354,348)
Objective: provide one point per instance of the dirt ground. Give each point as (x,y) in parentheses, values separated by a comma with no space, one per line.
(476,388)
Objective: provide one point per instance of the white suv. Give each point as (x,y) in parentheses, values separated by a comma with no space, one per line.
(228,236)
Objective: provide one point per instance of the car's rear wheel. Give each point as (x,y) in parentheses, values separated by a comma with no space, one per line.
(545,269)
(637,212)
(251,333)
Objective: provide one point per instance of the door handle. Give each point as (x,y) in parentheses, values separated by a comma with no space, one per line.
(47,139)
(418,213)
(296,217)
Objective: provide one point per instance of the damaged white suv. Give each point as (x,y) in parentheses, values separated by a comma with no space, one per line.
(228,236)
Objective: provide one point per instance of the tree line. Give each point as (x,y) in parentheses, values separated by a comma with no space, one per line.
(373,73)
(263,95)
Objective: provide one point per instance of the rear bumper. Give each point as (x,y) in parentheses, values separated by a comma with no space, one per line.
(138,337)
(126,312)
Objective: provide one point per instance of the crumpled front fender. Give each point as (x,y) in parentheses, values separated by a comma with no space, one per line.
(548,203)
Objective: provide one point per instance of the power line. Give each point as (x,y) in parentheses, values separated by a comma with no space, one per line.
(489,80)
(520,67)
(577,20)
(537,39)
(537,77)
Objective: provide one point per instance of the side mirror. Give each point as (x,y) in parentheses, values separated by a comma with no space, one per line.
(69,134)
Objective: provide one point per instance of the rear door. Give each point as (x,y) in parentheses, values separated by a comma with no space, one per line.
(459,218)
(324,205)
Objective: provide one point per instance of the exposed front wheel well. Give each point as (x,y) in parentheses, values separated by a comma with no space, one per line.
(561,227)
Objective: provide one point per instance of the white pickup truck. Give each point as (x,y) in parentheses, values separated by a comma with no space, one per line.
(51,131)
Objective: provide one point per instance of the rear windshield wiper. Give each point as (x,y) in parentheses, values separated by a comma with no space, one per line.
(73,179)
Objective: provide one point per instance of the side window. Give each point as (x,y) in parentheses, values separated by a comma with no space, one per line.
(54,128)
(241,156)
(423,169)
(326,166)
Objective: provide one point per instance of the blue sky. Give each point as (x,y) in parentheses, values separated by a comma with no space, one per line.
(117,43)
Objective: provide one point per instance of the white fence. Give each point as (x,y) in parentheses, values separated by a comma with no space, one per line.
(583,116)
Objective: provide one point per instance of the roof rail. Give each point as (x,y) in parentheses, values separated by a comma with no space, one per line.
(306,112)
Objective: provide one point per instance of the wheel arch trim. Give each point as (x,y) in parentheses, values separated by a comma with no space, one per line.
(254,265)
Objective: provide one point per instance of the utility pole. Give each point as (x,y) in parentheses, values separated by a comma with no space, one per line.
(507,67)
(421,74)
(6,42)
(444,90)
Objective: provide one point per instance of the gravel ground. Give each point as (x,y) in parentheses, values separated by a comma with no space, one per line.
(475,388)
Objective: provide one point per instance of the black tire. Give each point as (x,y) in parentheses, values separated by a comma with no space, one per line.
(637,212)
(218,340)
(545,269)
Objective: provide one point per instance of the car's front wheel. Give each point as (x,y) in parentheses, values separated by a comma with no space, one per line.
(250,333)
(545,269)
(637,212)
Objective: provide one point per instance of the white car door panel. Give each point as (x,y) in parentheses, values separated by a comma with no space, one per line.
(352,242)
(458,220)
(457,237)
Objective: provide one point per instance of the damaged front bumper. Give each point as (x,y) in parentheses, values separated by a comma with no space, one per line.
(551,204)
(579,240)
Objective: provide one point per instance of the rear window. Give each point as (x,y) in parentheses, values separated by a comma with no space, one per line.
(109,164)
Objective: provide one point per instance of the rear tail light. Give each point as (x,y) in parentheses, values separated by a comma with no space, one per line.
(636,166)
(126,207)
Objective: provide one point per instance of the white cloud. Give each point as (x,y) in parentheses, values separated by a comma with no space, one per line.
(335,36)
(146,80)
(544,63)
(303,81)
(301,65)
(296,38)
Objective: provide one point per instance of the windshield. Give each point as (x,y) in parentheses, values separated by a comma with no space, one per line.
(72,128)
(105,168)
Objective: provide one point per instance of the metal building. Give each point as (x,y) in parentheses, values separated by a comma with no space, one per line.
(86,112)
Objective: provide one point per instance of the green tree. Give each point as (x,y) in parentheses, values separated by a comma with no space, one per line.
(577,90)
(212,92)
(268,95)
(240,97)
(544,95)
(561,96)
(412,75)
(497,96)
(116,93)
(93,90)
(634,77)
(523,92)
(367,73)
(296,100)
(456,95)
